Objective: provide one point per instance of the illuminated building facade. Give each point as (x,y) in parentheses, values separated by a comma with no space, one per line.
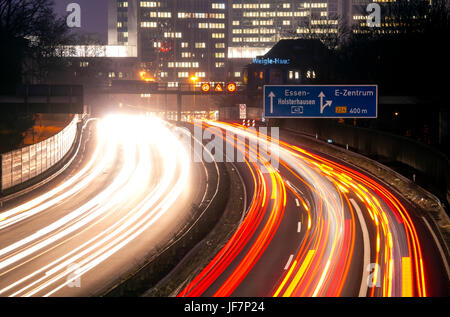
(212,40)
(357,17)
(257,25)
(177,40)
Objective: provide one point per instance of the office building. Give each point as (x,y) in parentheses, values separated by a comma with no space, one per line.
(257,25)
(211,40)
(177,41)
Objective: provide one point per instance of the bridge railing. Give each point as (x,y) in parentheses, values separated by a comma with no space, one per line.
(28,162)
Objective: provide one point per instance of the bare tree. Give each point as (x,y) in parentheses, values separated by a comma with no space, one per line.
(33,32)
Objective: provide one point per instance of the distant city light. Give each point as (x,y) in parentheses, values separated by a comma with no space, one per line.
(146,77)
(83,51)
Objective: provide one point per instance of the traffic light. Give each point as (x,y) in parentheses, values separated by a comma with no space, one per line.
(146,76)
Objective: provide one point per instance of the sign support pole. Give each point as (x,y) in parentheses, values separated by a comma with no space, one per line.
(179,105)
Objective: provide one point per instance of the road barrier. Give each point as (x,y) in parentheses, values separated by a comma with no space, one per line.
(26,163)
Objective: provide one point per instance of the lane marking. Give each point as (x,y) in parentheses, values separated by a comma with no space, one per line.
(299,227)
(366,241)
(289,262)
(297,202)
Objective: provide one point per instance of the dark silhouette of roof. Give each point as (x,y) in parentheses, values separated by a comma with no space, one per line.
(299,51)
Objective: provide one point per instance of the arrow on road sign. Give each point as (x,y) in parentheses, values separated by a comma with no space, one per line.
(327,104)
(271,96)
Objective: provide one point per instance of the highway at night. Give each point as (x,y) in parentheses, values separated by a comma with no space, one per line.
(222,157)
(313,226)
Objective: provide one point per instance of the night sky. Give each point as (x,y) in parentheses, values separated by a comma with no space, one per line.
(94,15)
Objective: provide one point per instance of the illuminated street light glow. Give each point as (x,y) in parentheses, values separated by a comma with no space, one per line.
(146,77)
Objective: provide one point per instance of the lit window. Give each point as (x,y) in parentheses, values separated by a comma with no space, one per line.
(218,5)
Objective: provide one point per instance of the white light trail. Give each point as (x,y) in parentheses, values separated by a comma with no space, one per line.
(132,138)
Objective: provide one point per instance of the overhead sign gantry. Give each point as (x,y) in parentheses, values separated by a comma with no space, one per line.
(330,101)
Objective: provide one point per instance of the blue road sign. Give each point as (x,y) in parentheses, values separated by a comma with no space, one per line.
(333,101)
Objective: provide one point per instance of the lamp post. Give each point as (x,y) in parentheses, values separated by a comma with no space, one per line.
(194,80)
(144,76)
